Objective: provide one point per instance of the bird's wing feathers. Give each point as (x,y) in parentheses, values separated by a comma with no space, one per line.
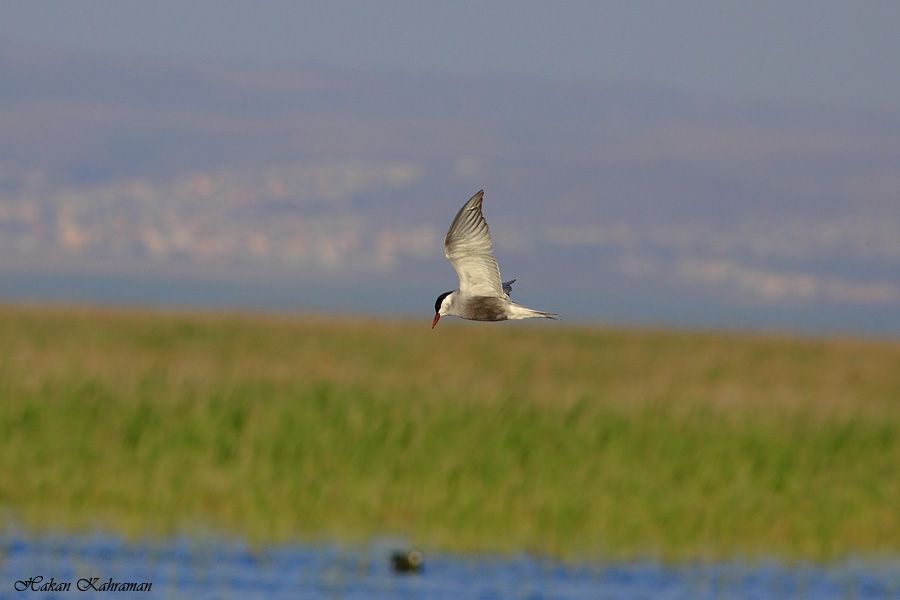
(469,249)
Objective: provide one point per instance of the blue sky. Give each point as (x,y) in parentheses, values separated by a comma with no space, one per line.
(820,52)
(692,164)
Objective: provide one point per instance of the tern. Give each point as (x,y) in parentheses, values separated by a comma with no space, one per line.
(482,294)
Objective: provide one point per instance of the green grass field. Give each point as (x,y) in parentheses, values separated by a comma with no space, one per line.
(552,439)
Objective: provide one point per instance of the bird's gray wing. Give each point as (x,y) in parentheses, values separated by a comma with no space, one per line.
(507,286)
(469,249)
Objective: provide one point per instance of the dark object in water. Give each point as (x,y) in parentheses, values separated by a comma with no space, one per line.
(409,561)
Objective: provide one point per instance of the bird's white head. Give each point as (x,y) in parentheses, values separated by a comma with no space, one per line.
(442,306)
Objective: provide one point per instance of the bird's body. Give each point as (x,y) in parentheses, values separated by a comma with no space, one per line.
(481,295)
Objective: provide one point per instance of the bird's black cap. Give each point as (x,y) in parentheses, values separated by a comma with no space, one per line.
(437,303)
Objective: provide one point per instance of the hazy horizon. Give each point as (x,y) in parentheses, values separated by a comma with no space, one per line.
(145,165)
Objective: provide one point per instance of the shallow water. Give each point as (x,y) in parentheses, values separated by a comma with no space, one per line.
(217,568)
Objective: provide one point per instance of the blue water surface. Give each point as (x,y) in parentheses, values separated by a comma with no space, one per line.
(210,567)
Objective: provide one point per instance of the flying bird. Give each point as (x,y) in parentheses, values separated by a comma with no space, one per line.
(482,296)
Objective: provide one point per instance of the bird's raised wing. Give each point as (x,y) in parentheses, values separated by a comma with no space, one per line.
(469,249)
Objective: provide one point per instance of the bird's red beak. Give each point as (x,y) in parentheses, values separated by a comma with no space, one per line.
(437,317)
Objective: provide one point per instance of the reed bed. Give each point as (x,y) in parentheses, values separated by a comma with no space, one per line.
(558,440)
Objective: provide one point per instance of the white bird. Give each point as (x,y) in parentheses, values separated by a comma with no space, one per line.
(481,295)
